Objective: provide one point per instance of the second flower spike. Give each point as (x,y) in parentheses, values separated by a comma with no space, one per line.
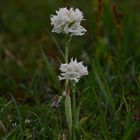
(73,71)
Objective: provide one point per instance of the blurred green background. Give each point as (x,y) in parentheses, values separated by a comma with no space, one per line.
(25,28)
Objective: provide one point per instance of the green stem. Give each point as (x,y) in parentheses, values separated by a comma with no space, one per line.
(68,98)
(74,102)
(73,108)
(67,45)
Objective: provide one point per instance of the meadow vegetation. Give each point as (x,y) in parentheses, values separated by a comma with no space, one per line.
(107,99)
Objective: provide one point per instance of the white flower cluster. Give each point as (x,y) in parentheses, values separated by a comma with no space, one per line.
(68,22)
(73,70)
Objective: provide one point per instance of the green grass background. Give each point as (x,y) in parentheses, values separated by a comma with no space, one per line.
(109,97)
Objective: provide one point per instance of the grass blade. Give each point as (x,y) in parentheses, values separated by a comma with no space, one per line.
(68,114)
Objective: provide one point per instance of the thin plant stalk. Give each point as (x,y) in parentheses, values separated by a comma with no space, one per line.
(67,45)
(74,102)
(68,98)
(73,108)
